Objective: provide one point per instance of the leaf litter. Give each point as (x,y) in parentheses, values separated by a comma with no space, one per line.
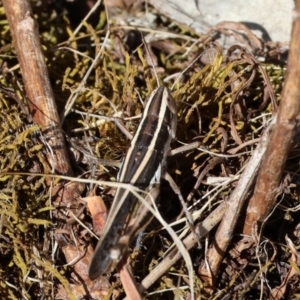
(224,102)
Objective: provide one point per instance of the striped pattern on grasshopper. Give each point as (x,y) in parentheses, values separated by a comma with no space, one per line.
(142,167)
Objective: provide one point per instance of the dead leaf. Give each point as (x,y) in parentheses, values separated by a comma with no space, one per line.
(80,257)
(98,211)
(128,281)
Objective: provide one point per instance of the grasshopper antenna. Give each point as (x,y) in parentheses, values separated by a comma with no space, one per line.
(152,61)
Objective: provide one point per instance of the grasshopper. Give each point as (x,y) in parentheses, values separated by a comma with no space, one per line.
(142,167)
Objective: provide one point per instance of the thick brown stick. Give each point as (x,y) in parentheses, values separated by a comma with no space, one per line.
(26,40)
(268,181)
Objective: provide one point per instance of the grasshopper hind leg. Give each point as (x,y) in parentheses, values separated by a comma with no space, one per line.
(110,248)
